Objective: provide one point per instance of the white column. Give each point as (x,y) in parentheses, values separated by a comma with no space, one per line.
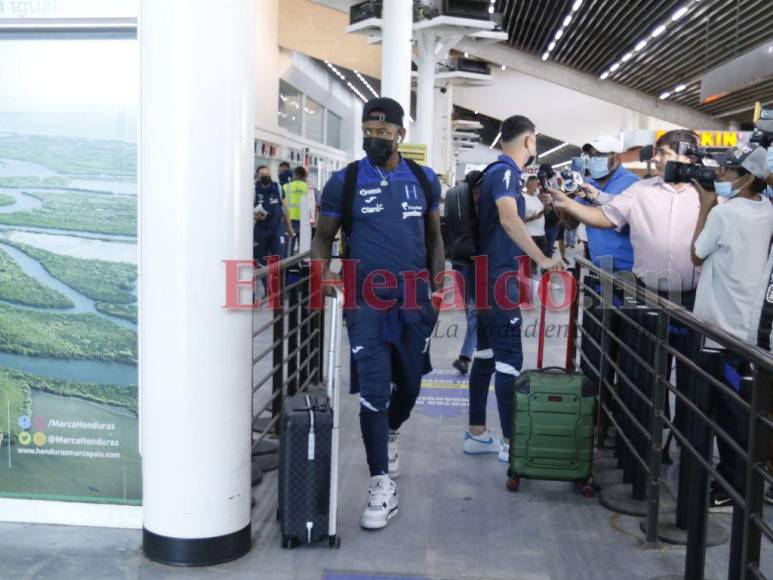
(197,127)
(425,89)
(397,31)
(267,63)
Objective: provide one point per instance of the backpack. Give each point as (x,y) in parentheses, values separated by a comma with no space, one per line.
(461,220)
(349,194)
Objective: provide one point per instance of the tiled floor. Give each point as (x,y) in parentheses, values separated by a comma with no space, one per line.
(456,521)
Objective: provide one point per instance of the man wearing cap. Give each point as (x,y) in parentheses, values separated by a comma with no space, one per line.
(731,242)
(662,218)
(387,208)
(608,178)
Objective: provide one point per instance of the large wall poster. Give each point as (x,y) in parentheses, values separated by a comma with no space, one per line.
(68,270)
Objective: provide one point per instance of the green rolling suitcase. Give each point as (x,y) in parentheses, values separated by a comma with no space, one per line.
(553,423)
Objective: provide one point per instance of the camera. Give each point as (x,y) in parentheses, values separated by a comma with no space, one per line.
(763,129)
(546,177)
(678,172)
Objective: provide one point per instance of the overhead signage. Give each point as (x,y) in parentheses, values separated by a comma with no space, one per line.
(64,9)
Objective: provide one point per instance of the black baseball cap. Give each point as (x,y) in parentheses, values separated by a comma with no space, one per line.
(383,109)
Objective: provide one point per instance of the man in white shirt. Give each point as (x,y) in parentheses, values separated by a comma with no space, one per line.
(535,213)
(731,243)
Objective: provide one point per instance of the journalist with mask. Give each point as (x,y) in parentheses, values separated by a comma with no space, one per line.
(731,243)
(387,208)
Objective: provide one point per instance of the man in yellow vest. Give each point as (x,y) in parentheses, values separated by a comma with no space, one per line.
(295,192)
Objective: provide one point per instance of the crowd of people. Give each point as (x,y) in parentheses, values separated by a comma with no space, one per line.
(702,248)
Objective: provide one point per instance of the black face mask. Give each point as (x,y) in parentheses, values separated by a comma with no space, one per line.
(378,150)
(265,180)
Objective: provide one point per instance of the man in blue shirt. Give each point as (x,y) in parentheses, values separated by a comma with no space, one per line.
(608,178)
(393,229)
(268,234)
(285,174)
(503,238)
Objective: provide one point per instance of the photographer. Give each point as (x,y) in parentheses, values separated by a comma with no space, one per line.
(732,242)
(662,218)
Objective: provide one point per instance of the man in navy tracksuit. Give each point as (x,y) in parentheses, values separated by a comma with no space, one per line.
(267,234)
(387,211)
(503,238)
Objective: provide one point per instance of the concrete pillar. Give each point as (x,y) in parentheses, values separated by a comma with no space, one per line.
(442,146)
(397,31)
(425,89)
(196,157)
(267,63)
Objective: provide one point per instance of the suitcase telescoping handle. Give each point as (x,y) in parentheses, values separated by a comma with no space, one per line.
(334,396)
(543,298)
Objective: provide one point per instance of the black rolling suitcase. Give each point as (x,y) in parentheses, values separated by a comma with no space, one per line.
(308,455)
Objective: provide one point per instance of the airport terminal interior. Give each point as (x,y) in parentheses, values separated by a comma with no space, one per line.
(264,263)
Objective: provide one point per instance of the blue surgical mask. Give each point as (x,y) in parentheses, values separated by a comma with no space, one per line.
(725,189)
(598,167)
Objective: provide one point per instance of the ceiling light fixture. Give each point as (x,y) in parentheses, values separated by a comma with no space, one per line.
(496,140)
(656,32)
(367,84)
(664,95)
(491,9)
(679,13)
(341,76)
(679,88)
(568,19)
(604,76)
(553,150)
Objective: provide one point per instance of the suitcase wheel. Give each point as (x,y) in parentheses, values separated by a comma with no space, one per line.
(586,488)
(288,543)
(335,542)
(512,484)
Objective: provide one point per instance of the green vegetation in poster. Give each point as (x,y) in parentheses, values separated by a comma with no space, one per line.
(87,212)
(125,311)
(100,280)
(18,287)
(15,400)
(73,336)
(118,396)
(6,199)
(72,156)
(31,181)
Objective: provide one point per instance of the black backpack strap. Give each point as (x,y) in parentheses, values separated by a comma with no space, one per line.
(347,207)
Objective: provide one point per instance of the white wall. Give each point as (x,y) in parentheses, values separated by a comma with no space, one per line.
(557,111)
(481,155)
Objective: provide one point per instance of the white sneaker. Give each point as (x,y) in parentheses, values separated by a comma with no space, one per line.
(476,444)
(394,463)
(504,451)
(382,503)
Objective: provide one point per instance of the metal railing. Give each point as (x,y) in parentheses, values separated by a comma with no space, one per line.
(288,351)
(628,337)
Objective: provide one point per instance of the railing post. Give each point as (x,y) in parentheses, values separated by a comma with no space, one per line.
(292,339)
(656,428)
(277,380)
(755,485)
(606,305)
(700,436)
(735,566)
